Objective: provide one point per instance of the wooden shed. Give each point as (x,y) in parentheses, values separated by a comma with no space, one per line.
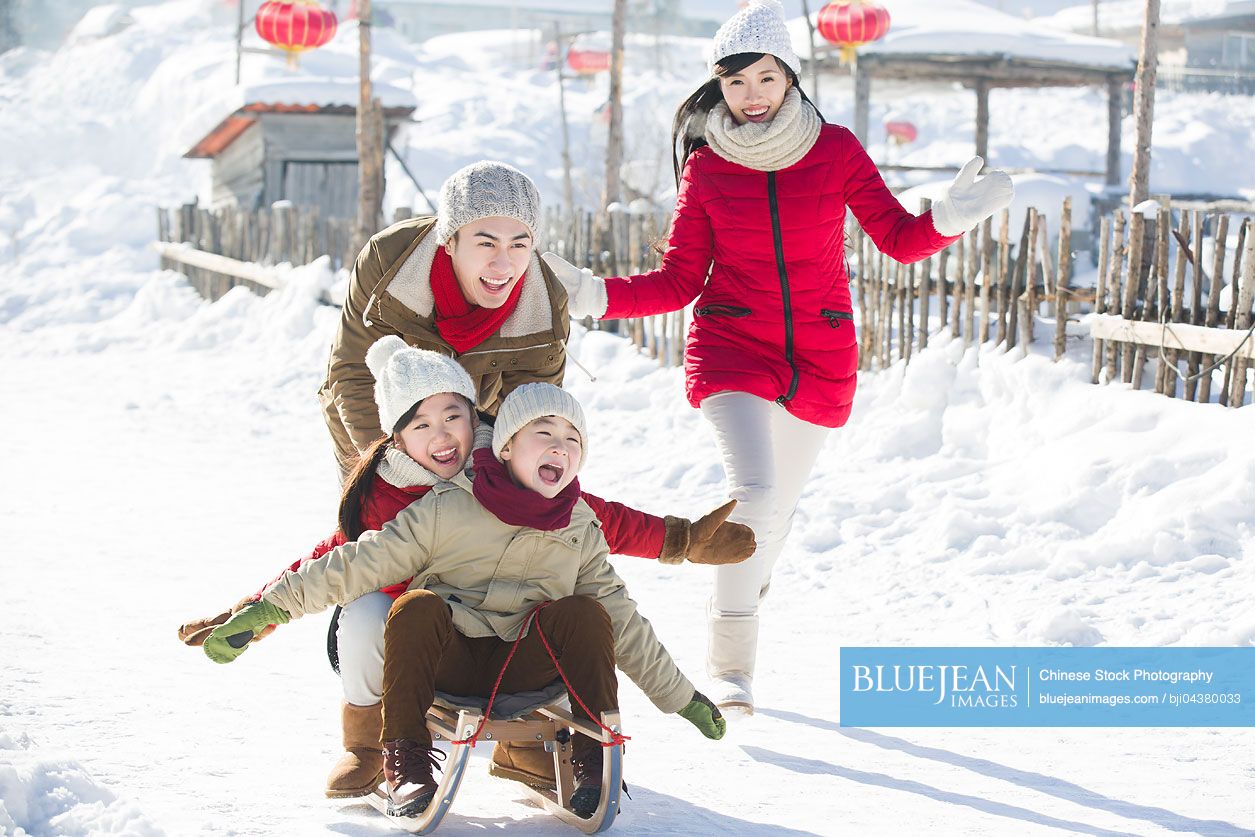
(306,154)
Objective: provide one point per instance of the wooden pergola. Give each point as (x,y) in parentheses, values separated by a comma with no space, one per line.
(982,73)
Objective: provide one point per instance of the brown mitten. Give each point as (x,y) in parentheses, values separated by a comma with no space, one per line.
(194,633)
(711,540)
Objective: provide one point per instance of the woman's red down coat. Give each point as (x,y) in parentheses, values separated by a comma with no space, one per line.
(774,317)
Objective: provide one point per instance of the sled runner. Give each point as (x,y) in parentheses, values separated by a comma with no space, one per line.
(529,717)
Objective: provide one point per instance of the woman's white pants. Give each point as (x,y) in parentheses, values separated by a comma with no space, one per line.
(768,455)
(360,638)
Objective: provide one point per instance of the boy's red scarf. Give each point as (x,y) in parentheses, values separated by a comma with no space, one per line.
(463,325)
(519,506)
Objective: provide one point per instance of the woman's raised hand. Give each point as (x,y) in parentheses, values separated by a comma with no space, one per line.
(968,201)
(586,293)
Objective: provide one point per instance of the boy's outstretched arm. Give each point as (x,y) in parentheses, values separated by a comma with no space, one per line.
(708,540)
(638,653)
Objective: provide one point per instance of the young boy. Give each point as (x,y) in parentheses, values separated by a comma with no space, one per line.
(482,556)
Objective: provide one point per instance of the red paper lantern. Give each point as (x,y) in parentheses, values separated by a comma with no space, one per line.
(588,61)
(850,24)
(295,25)
(901,131)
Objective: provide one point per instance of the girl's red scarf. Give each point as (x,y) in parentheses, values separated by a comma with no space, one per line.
(463,325)
(519,506)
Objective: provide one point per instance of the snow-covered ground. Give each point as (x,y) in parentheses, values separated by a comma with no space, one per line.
(163,456)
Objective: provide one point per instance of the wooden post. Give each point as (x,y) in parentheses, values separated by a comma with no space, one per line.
(1178,302)
(1100,292)
(1149,305)
(862,101)
(986,277)
(614,141)
(1017,279)
(1114,96)
(1144,110)
(925,289)
(1245,296)
(969,283)
(1137,239)
(369,137)
(1000,287)
(1062,278)
(1231,320)
(982,119)
(1113,291)
(1163,301)
(1030,276)
(902,278)
(1196,305)
(1213,301)
(568,191)
(960,274)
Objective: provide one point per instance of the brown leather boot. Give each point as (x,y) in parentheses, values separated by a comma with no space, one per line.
(407,767)
(360,770)
(525,762)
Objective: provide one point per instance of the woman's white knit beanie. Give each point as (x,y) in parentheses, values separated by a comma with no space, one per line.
(483,190)
(530,402)
(759,27)
(405,376)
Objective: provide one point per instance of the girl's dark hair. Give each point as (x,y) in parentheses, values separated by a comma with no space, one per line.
(363,474)
(694,109)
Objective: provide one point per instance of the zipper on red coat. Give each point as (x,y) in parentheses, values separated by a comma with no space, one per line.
(778,240)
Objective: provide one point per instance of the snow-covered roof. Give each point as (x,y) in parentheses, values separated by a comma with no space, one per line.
(1127,15)
(965,27)
(324,79)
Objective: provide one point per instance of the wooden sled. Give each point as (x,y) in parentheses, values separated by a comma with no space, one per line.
(453,719)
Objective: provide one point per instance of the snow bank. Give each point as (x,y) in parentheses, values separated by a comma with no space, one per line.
(43,794)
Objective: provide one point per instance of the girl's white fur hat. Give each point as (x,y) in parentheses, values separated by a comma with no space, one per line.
(405,376)
(483,190)
(530,402)
(759,27)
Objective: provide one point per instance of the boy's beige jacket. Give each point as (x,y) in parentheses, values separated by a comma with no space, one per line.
(491,575)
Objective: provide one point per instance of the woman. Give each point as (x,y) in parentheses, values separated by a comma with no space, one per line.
(758,240)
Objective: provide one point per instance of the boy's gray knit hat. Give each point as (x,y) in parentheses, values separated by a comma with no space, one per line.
(483,190)
(759,27)
(530,402)
(405,376)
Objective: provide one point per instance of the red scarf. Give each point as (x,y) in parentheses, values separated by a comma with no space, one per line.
(518,506)
(462,325)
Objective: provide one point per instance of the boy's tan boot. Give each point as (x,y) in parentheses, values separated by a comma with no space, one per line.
(360,769)
(523,762)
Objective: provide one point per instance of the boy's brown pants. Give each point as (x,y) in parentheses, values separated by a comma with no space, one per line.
(423,652)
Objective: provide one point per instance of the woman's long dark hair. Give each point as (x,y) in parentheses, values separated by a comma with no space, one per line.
(360,478)
(688,128)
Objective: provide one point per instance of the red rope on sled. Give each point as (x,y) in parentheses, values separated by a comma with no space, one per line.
(616,738)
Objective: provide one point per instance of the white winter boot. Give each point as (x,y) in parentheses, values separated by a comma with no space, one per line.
(730,653)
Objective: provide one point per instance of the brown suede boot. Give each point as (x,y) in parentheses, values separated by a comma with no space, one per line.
(524,762)
(360,769)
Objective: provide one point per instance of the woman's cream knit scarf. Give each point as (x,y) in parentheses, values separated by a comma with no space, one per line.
(765,146)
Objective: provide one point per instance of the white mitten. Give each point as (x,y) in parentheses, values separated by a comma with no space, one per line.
(586,293)
(969,201)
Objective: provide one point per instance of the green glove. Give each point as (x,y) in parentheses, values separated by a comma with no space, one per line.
(229,639)
(700,712)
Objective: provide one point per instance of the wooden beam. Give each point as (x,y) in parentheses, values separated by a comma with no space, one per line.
(1180,336)
(982,119)
(862,102)
(267,277)
(1115,90)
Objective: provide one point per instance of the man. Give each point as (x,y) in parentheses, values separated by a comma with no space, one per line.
(466,284)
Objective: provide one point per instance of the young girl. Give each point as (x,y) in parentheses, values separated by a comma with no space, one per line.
(480,559)
(426,398)
(758,240)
